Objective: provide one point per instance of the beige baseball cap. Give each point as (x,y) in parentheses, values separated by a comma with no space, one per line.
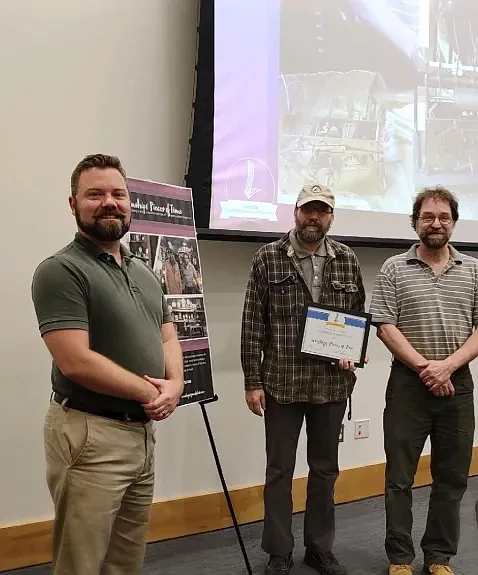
(315,193)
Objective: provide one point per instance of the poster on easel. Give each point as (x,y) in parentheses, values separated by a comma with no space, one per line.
(163,236)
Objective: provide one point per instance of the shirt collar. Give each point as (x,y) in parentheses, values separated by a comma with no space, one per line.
(455,255)
(301,252)
(333,248)
(98,252)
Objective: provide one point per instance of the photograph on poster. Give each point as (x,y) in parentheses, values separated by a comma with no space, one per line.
(174,260)
(143,246)
(177,265)
(189,316)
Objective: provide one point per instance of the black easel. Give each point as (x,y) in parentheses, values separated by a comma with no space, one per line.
(223,481)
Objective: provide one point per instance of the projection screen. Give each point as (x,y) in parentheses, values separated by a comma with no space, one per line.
(374,98)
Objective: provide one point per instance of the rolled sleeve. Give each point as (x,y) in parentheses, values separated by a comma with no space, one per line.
(475,308)
(59,297)
(253,326)
(383,306)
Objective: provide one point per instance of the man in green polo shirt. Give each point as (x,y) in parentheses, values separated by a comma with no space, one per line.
(117,366)
(425,304)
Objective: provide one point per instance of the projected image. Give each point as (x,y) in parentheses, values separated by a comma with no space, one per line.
(448,140)
(346,115)
(453,28)
(375,99)
(450,143)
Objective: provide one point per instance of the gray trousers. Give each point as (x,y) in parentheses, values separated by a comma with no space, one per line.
(412,414)
(283,423)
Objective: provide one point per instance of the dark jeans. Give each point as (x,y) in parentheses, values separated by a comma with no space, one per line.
(283,423)
(412,414)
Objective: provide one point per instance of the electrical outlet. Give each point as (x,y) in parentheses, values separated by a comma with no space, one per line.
(362,428)
(342,431)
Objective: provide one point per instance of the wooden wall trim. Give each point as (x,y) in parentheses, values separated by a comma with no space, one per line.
(30,543)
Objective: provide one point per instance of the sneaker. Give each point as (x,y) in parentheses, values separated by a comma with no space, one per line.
(400,570)
(279,564)
(438,569)
(324,563)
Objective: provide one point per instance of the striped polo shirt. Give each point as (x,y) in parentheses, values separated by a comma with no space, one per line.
(435,313)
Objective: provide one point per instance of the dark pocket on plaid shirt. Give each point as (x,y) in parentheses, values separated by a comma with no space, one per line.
(343,293)
(286,296)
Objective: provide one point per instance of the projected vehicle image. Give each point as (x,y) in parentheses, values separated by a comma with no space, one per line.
(348,120)
(335,136)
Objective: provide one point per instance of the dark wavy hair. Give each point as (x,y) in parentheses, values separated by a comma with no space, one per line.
(436,193)
(101,161)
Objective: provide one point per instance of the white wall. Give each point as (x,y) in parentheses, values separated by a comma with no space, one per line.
(78,77)
(116,76)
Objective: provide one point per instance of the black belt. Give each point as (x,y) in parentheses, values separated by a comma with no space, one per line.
(98,410)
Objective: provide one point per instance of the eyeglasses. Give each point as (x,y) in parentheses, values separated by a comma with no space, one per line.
(429,219)
(322,210)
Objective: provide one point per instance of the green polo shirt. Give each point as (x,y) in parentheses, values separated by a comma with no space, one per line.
(121,307)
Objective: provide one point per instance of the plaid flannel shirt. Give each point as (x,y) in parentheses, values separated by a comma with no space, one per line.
(274,300)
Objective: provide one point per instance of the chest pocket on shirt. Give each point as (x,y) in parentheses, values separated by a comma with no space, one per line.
(285,295)
(343,293)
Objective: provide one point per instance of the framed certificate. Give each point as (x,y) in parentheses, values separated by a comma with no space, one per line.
(331,333)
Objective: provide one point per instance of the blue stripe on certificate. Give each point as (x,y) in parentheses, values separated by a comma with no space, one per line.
(324,316)
(355,322)
(313,314)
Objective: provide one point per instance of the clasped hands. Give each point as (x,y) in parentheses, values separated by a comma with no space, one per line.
(436,374)
(165,397)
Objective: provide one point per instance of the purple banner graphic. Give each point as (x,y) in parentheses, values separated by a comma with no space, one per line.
(246,112)
(162,210)
(163,236)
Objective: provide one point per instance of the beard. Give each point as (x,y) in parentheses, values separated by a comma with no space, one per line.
(103,229)
(311,232)
(434,240)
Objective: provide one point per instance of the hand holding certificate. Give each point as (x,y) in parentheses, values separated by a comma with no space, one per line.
(331,334)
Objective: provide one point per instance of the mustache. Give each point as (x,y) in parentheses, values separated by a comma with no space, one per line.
(104,213)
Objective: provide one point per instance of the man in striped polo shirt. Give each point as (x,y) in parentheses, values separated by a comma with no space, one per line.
(425,307)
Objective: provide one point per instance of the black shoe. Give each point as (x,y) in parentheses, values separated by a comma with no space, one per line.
(279,564)
(324,563)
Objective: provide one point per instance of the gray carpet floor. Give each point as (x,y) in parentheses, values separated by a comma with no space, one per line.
(359,543)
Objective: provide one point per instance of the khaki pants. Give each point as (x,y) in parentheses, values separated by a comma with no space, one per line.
(100,473)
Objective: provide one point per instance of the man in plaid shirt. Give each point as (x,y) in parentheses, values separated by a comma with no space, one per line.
(302,267)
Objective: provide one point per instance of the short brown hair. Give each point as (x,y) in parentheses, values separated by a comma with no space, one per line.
(101,161)
(437,193)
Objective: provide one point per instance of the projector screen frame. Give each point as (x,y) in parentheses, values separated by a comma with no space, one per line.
(200,165)
(211,234)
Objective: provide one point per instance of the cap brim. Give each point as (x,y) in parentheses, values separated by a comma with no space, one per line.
(308,200)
